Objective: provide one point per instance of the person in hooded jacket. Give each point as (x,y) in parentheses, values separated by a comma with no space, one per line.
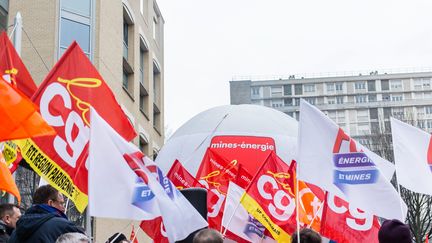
(45,220)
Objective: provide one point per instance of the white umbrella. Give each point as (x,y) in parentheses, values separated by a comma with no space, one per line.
(189,143)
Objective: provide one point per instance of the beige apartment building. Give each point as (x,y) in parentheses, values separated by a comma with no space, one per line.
(361,104)
(124,39)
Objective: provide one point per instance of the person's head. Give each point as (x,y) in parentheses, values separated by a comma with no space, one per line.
(307,236)
(49,195)
(117,238)
(394,231)
(73,238)
(9,214)
(207,236)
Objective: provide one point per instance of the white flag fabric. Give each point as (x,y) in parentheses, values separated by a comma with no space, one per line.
(115,190)
(413,157)
(237,220)
(330,159)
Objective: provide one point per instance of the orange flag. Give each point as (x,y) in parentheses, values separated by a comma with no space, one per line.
(7,182)
(20,117)
(12,68)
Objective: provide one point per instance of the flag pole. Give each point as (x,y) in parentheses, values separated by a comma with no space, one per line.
(17,39)
(315,216)
(297,206)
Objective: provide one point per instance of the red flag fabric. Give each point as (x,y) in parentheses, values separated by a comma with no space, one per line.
(12,69)
(243,178)
(133,237)
(344,223)
(270,198)
(65,97)
(20,117)
(155,230)
(7,182)
(181,178)
(214,173)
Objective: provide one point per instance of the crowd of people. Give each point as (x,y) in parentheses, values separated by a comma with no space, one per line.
(45,221)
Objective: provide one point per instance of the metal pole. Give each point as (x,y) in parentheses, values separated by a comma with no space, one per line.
(17,37)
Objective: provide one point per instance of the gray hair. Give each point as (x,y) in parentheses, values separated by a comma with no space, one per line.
(73,238)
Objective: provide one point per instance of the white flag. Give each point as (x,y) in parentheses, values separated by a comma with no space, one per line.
(413,157)
(330,159)
(237,220)
(114,190)
(154,194)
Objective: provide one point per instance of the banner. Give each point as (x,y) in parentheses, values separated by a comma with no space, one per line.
(330,159)
(249,151)
(65,98)
(181,178)
(345,223)
(12,155)
(413,157)
(155,230)
(214,173)
(270,198)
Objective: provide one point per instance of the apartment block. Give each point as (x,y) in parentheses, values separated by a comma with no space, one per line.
(361,104)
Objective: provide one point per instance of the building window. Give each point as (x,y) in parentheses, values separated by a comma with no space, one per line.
(156,97)
(143,143)
(360,98)
(288,102)
(339,87)
(330,87)
(309,88)
(144,103)
(256,91)
(296,101)
(277,103)
(276,91)
(398,112)
(372,97)
(396,97)
(386,97)
(339,100)
(4,9)
(75,25)
(396,84)
(287,89)
(371,85)
(362,115)
(373,113)
(418,84)
(385,84)
(360,85)
(429,124)
(331,100)
(341,116)
(298,88)
(156,23)
(426,83)
(428,110)
(311,100)
(421,124)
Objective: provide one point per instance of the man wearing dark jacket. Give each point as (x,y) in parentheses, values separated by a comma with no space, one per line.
(9,215)
(45,220)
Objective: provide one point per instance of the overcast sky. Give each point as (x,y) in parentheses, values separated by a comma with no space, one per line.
(208,43)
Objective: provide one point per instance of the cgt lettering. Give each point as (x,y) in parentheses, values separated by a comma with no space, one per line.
(277,198)
(77,143)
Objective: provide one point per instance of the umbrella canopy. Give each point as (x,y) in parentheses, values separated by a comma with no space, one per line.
(236,125)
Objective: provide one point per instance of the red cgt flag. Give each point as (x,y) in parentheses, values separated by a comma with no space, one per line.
(214,173)
(12,69)
(344,223)
(270,198)
(65,97)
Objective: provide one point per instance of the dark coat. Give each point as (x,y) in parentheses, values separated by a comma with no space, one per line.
(42,224)
(5,232)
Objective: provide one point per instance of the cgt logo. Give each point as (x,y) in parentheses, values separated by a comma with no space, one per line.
(357,219)
(281,200)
